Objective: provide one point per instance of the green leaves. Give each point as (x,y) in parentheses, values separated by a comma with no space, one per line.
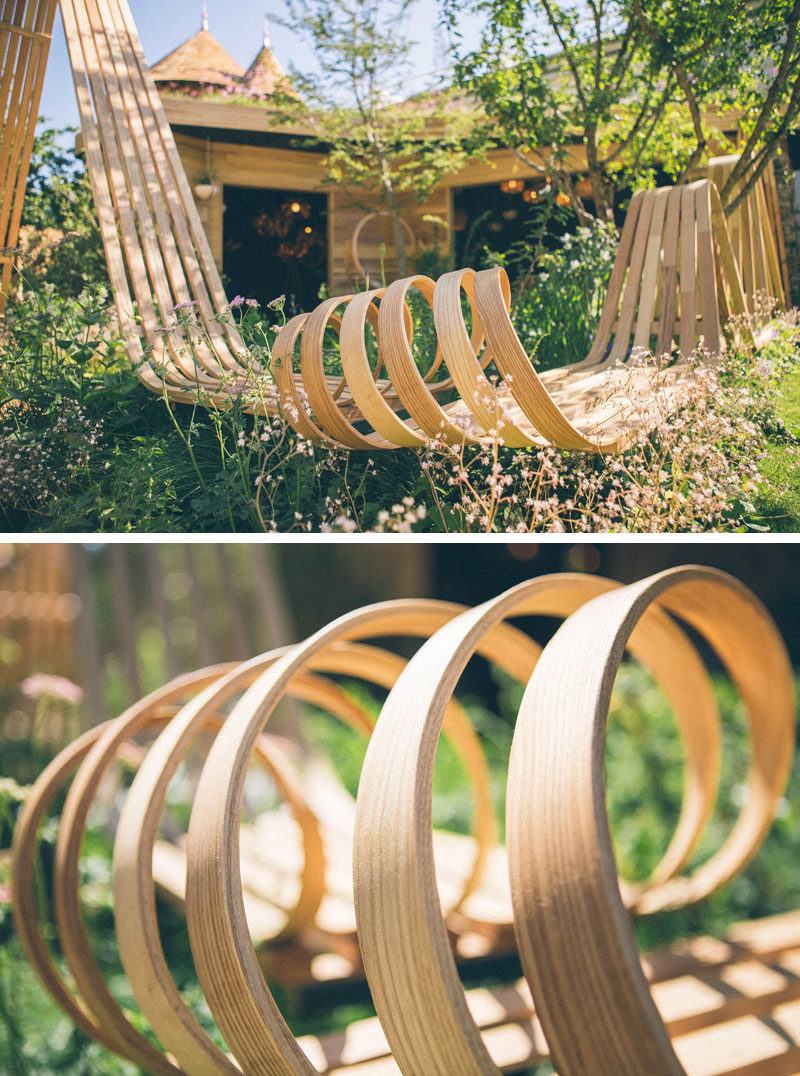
(642,85)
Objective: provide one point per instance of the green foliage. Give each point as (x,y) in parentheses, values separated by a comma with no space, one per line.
(60,232)
(377,142)
(634,81)
(572,277)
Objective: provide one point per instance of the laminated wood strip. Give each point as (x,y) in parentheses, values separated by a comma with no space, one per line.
(688,274)
(133,879)
(461,351)
(774,281)
(774,217)
(415,987)
(23,31)
(707,1007)
(706,271)
(24,57)
(753,228)
(669,276)
(556,776)
(242,1005)
(651,270)
(116,1034)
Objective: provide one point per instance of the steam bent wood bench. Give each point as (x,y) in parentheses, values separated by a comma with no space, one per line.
(588,1000)
(676,283)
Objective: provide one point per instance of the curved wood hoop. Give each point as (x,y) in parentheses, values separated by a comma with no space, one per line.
(243,1007)
(562,866)
(415,987)
(357,265)
(93,1008)
(119,1036)
(137,929)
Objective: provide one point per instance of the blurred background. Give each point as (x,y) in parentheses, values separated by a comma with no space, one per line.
(119,620)
(87,628)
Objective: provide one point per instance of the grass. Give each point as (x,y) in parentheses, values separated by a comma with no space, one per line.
(779,496)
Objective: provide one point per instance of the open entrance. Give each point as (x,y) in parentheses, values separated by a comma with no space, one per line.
(275,243)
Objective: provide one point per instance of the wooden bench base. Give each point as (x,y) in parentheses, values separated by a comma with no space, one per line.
(732,1007)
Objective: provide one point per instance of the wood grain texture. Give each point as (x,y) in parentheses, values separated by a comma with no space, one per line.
(698,1009)
(414,986)
(562,869)
(25,30)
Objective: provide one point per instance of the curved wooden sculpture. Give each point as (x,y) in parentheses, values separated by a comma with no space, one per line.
(363,248)
(591,997)
(674,283)
(753,237)
(25,29)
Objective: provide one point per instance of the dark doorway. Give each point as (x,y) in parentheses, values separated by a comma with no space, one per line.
(275,243)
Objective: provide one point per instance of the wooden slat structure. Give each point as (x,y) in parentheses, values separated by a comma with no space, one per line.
(157,252)
(756,237)
(674,284)
(25,29)
(588,1000)
(38,610)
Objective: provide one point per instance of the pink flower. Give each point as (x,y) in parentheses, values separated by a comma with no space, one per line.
(237,300)
(55,687)
(234,389)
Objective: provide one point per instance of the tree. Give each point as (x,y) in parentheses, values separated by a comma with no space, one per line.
(356,104)
(635,82)
(742,55)
(60,229)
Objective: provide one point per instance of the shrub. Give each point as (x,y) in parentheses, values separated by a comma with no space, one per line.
(559,292)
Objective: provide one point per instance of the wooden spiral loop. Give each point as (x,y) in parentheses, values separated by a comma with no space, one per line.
(520,409)
(569,908)
(570,921)
(428,1026)
(137,928)
(358,266)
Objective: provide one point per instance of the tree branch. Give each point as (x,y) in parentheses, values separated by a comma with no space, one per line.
(567,54)
(773,94)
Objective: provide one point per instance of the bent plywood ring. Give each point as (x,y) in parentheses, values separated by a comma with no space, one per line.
(562,869)
(563,879)
(358,266)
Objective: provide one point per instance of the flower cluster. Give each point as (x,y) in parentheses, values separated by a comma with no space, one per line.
(39,465)
(692,466)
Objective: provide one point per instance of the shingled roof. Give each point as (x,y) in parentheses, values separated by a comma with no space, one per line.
(200,59)
(265,75)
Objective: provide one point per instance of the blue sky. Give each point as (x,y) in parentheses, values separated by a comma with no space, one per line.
(237,24)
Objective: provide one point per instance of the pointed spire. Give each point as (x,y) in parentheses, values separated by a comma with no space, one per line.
(205,14)
(266,32)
